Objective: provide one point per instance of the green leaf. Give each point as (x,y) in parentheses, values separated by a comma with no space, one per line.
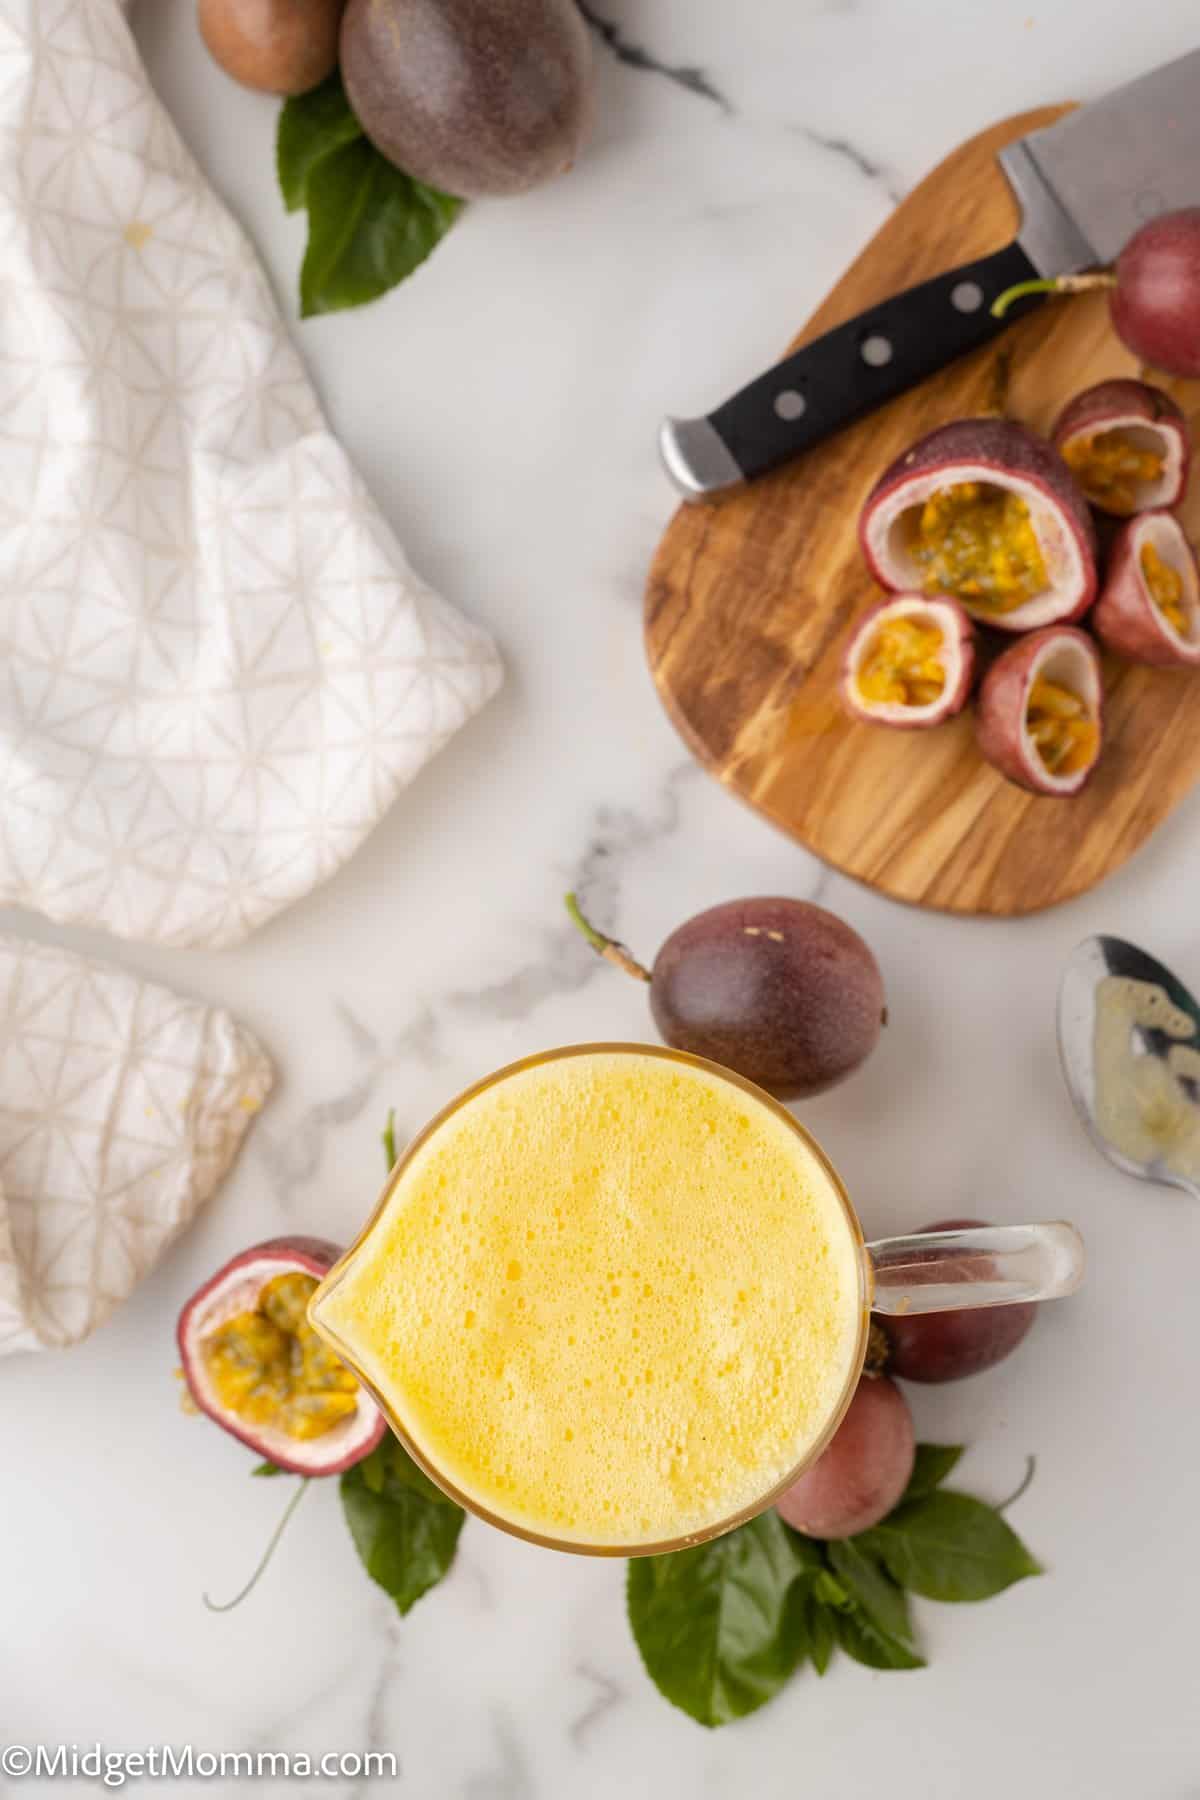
(821,1632)
(311,126)
(949,1546)
(406,1540)
(390,1468)
(369,226)
(933,1463)
(721,1627)
(266,1468)
(862,1639)
(872,1589)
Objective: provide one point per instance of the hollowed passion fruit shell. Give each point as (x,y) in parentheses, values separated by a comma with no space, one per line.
(1149,610)
(255,1365)
(985,511)
(1040,714)
(910,662)
(1127,445)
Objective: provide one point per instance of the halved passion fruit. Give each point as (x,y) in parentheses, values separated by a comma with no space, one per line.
(1127,445)
(910,662)
(1149,610)
(987,512)
(1040,717)
(253,1362)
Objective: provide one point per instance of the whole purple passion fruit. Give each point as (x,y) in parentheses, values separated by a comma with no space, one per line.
(778,990)
(910,662)
(1149,609)
(1154,292)
(1156,300)
(254,1364)
(1127,445)
(950,1345)
(273,46)
(474,97)
(1040,713)
(863,1470)
(988,513)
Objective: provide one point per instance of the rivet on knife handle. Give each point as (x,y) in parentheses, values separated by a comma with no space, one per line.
(842,376)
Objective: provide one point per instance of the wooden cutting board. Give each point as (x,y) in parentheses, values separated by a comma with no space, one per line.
(751,600)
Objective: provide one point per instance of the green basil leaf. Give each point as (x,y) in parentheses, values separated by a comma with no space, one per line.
(400,1471)
(862,1639)
(266,1468)
(949,1546)
(822,1633)
(873,1592)
(932,1465)
(721,1627)
(311,126)
(369,226)
(405,1540)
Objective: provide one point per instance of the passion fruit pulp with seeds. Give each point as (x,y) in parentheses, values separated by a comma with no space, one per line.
(909,662)
(985,511)
(1149,611)
(255,1365)
(779,990)
(1127,444)
(1040,712)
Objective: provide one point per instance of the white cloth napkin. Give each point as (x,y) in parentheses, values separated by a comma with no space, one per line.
(216,667)
(122,1106)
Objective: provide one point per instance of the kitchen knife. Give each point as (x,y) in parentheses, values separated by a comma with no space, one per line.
(1083,185)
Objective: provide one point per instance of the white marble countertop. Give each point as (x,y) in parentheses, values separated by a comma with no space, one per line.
(503,408)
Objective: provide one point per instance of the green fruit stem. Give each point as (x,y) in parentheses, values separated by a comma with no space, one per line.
(606,947)
(1058,284)
(264,1559)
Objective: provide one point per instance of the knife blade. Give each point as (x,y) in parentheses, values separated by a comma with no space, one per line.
(1083,186)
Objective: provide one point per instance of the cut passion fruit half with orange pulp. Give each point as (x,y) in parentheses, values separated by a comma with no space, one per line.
(985,511)
(1149,611)
(909,662)
(1127,444)
(255,1365)
(1040,714)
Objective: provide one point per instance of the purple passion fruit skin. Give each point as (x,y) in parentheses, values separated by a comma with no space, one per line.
(1024,703)
(863,1470)
(998,468)
(255,1366)
(1155,303)
(895,674)
(273,46)
(1135,423)
(475,99)
(779,990)
(935,1347)
(1149,609)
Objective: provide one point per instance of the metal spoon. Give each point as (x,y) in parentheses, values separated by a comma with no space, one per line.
(1096,958)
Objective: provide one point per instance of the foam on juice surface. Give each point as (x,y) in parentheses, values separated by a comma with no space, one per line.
(613,1299)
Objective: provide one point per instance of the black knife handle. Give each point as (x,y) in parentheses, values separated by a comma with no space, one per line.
(857,367)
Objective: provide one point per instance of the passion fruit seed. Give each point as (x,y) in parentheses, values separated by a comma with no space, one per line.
(269,1367)
(1059,725)
(778,990)
(903,663)
(1165,586)
(977,542)
(1110,468)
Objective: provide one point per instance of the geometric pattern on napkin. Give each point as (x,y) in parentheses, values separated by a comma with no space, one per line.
(122,1106)
(217,669)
